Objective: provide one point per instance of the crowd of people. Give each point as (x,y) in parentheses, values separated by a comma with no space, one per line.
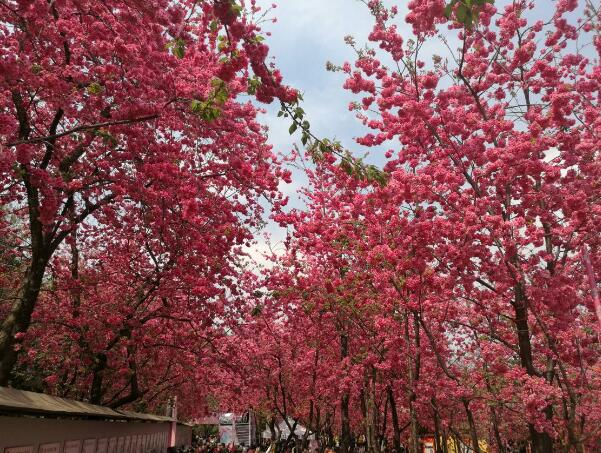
(212,445)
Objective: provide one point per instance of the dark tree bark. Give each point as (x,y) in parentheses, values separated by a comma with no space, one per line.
(396,439)
(345,435)
(413,368)
(541,442)
(472,425)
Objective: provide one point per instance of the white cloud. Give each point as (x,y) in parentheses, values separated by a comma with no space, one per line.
(306,35)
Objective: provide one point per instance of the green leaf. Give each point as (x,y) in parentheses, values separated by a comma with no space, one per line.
(374,174)
(205,110)
(210,113)
(223,44)
(346,167)
(469,21)
(177,47)
(107,138)
(94,88)
(462,13)
(237,9)
(195,105)
(448,10)
(293,128)
(253,84)
(179,50)
(256,311)
(220,92)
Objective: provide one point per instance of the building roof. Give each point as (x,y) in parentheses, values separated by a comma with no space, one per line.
(21,402)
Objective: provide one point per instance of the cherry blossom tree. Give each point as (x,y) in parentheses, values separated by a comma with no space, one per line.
(495,174)
(468,267)
(129,112)
(452,293)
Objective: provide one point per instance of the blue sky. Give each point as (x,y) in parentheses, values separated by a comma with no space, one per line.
(307,34)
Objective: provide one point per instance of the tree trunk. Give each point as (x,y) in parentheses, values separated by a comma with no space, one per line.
(412,370)
(318,425)
(363,404)
(396,439)
(19,317)
(414,433)
(541,442)
(441,433)
(372,429)
(493,413)
(330,434)
(437,439)
(96,390)
(345,435)
(271,425)
(445,442)
(384,425)
(472,425)
(495,427)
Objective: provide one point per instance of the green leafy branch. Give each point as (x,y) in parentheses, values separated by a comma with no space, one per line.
(318,147)
(211,108)
(177,47)
(465,12)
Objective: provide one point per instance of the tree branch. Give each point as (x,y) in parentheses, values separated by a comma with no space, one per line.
(50,138)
